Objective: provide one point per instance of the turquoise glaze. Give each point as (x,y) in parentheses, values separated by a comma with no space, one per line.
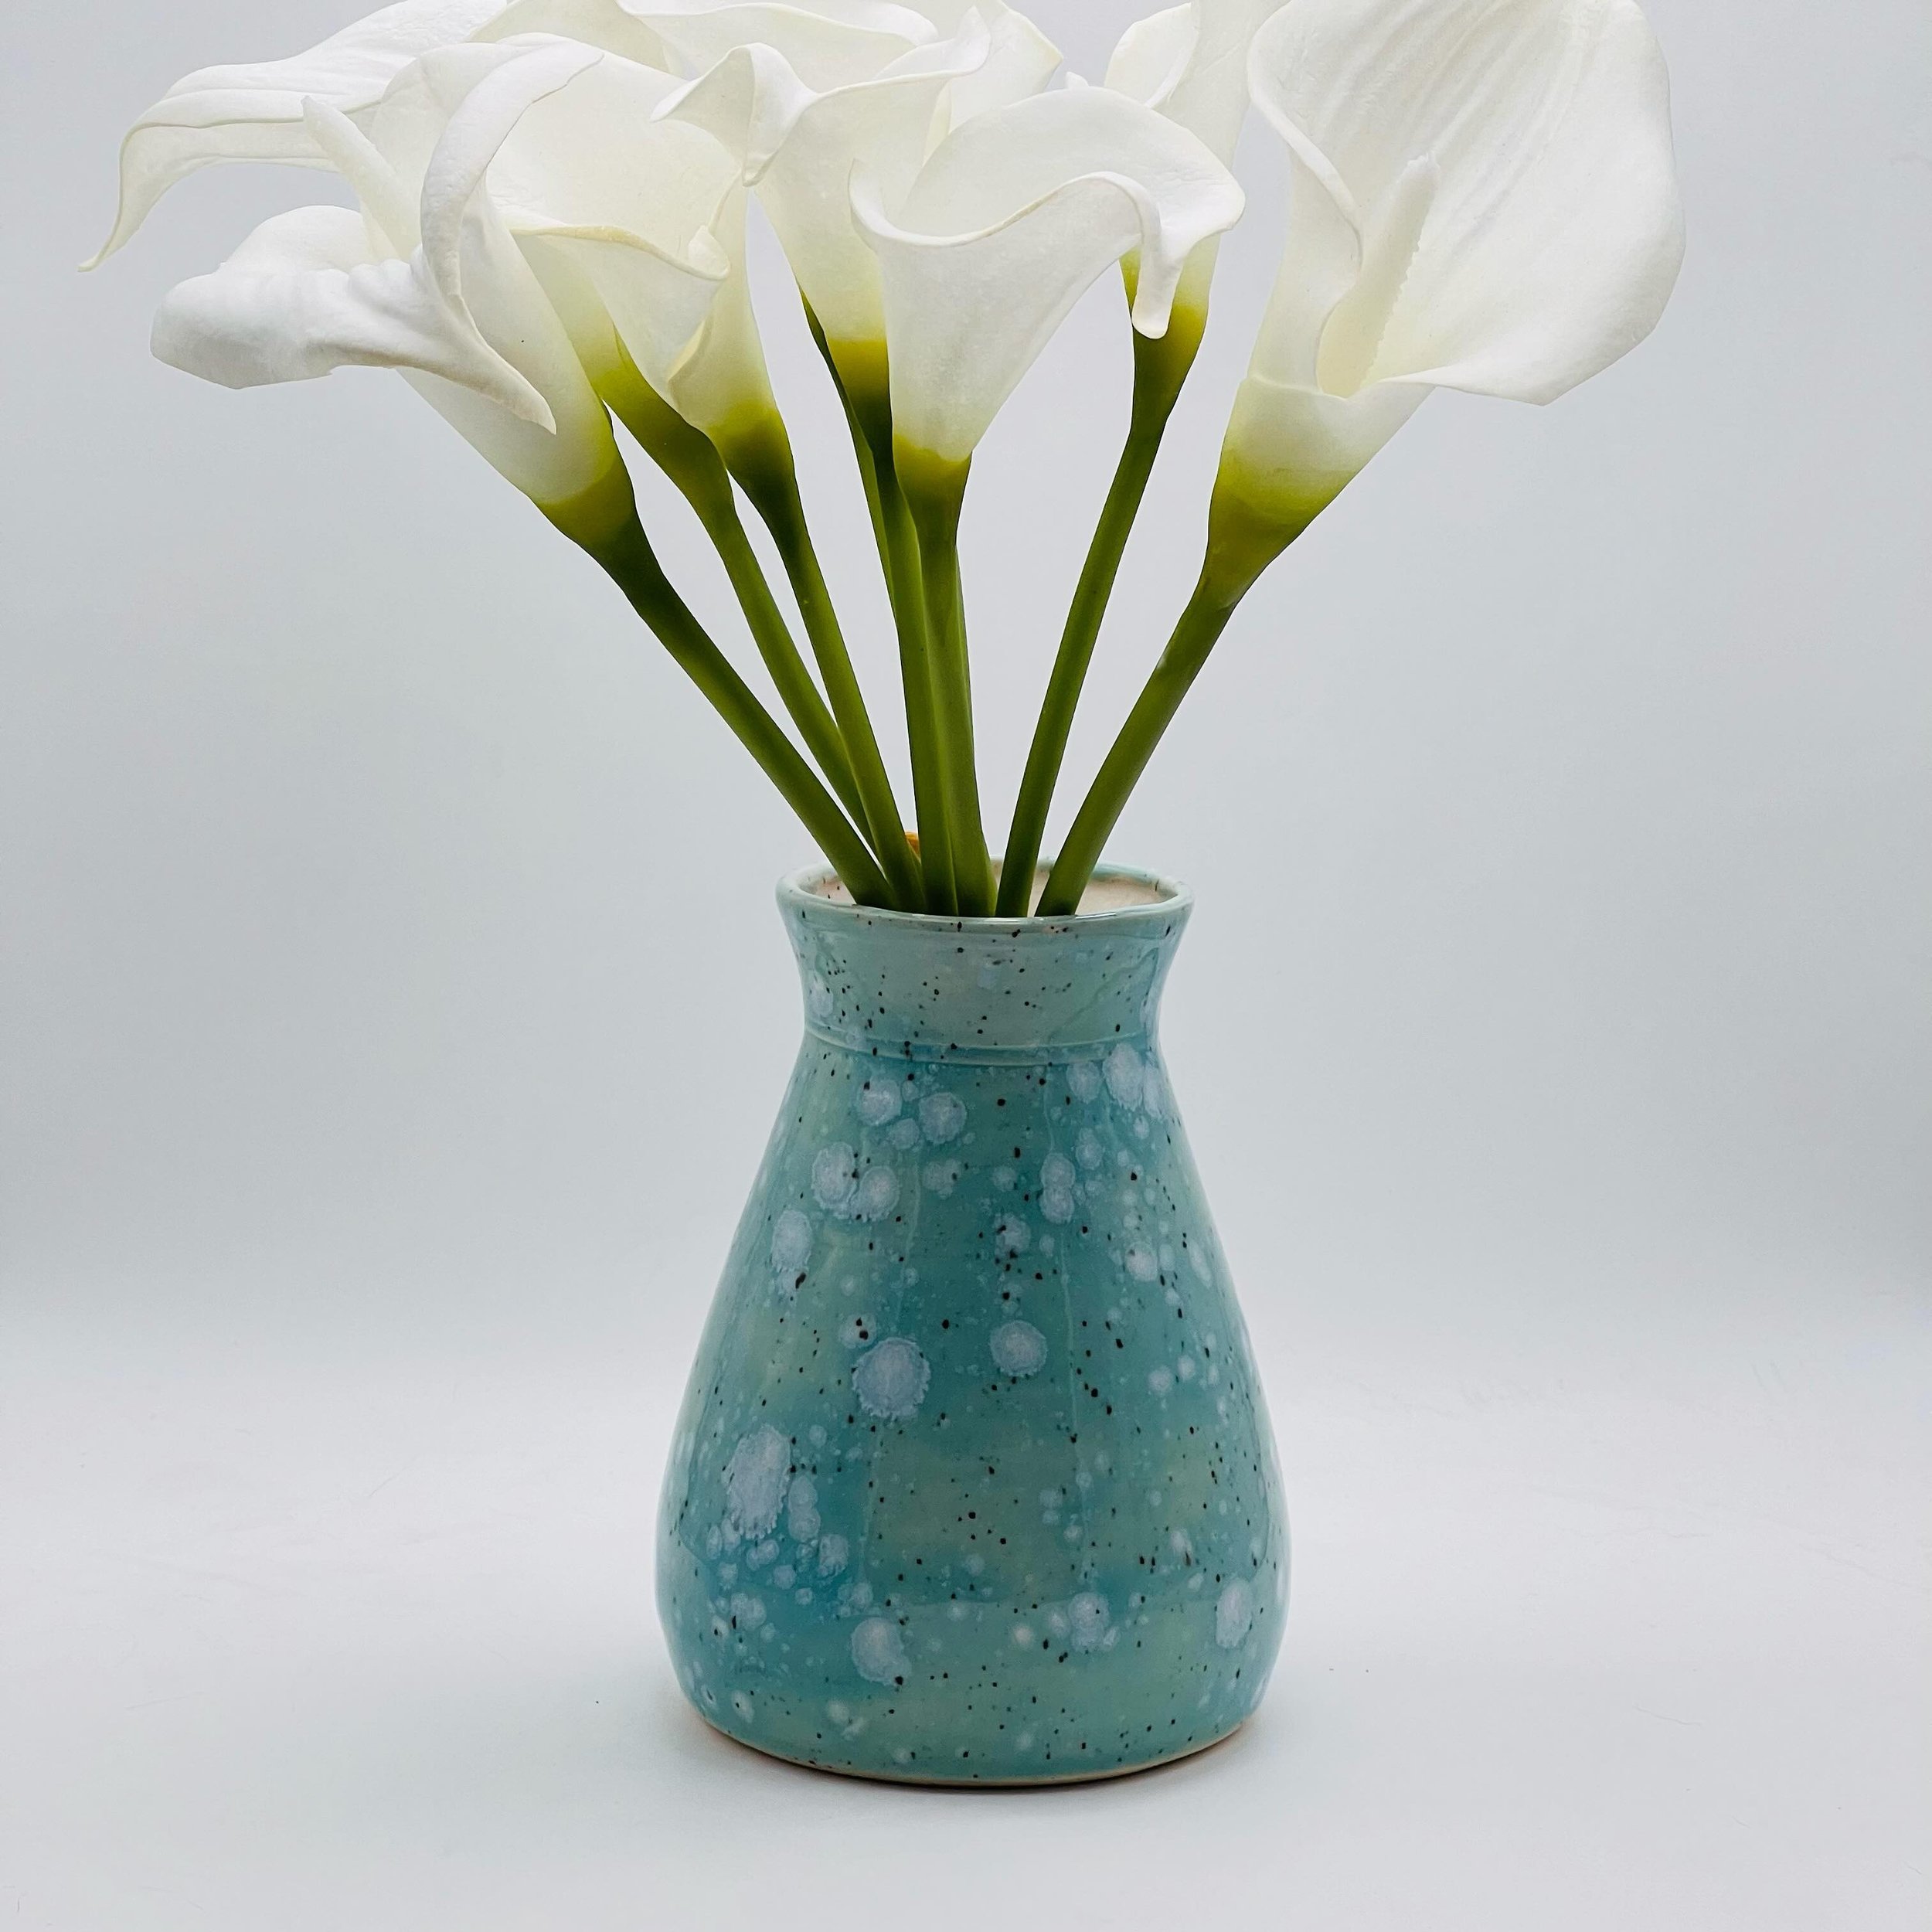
(974,1482)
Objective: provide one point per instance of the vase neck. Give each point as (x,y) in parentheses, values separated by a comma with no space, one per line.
(895,986)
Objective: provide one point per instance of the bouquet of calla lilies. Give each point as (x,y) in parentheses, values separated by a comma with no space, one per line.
(549,232)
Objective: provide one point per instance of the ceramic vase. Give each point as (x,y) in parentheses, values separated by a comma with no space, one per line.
(973,1482)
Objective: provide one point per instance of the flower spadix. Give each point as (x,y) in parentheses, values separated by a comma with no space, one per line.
(256,111)
(1483,198)
(1009,220)
(424,278)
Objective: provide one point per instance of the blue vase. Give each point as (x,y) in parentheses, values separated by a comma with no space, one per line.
(973,1482)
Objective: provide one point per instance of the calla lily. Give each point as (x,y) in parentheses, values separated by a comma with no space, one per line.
(1483,198)
(428,278)
(635,224)
(1191,63)
(644,217)
(814,99)
(652,217)
(821,93)
(1012,218)
(649,215)
(256,111)
(425,279)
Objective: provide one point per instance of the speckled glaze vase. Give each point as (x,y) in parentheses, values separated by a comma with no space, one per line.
(973,1483)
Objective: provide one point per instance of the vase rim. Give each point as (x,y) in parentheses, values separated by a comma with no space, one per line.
(1116,895)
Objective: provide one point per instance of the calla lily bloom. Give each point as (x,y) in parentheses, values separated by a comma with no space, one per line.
(812,101)
(1010,220)
(824,95)
(639,222)
(427,278)
(635,227)
(424,279)
(650,214)
(1483,198)
(256,111)
(1191,63)
(652,218)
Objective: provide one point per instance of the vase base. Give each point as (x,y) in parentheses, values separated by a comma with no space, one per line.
(1098,1775)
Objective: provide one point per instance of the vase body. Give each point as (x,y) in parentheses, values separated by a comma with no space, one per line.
(974,1482)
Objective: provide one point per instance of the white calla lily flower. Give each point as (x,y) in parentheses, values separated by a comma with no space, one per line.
(255,110)
(807,108)
(1191,63)
(425,279)
(1010,219)
(649,214)
(635,227)
(1484,199)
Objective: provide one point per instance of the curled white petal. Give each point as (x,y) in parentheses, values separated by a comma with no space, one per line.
(1191,62)
(800,143)
(460,311)
(648,211)
(1149,59)
(253,110)
(304,294)
(749,101)
(1020,60)
(1551,233)
(1483,198)
(1012,217)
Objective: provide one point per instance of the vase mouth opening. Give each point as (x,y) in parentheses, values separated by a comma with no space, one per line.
(1115,892)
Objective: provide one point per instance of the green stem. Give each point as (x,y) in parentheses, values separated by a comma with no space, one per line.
(1160,367)
(935,516)
(689,458)
(917,667)
(861,444)
(869,417)
(772,487)
(818,725)
(1083,628)
(626,553)
(1203,621)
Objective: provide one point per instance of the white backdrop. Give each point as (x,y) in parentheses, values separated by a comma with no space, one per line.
(392,1011)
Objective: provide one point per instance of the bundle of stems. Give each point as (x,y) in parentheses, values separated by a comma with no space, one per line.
(943,864)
